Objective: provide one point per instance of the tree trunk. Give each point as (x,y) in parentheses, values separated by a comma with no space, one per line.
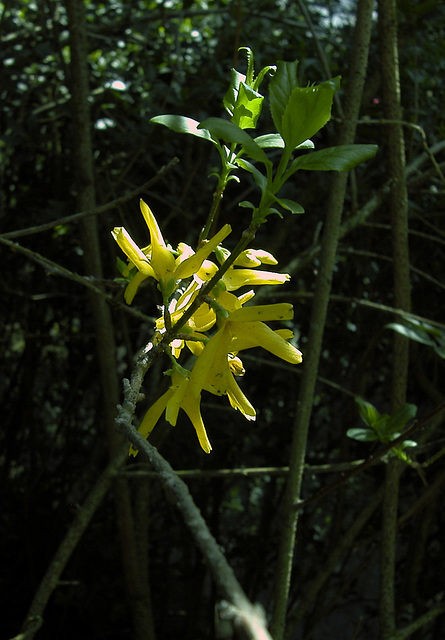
(135,574)
(289,510)
(398,202)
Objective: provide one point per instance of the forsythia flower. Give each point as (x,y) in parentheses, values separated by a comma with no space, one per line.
(157,260)
(236,327)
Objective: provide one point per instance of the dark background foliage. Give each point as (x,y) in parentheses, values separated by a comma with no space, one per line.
(148,57)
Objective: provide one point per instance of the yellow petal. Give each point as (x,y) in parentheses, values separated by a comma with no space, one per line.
(192,264)
(211,367)
(259,334)
(132,251)
(245,297)
(195,347)
(191,405)
(264,313)
(152,416)
(162,260)
(207,270)
(254,257)
(239,401)
(179,386)
(133,285)
(229,301)
(236,278)
(203,319)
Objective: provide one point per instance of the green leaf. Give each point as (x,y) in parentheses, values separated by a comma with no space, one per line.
(280,89)
(408,443)
(259,79)
(419,333)
(275,141)
(362,435)
(341,158)
(247,107)
(229,100)
(397,421)
(259,178)
(368,412)
(231,133)
(181,124)
(246,204)
(250,71)
(306,111)
(270,141)
(289,205)
(122,267)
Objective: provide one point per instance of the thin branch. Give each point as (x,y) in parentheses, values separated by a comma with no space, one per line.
(28,231)
(371,460)
(419,130)
(428,617)
(49,582)
(59,270)
(380,256)
(246,615)
(199,474)
(365,303)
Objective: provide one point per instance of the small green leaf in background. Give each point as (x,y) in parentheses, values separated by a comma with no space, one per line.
(361,434)
(397,421)
(368,412)
(422,332)
(260,179)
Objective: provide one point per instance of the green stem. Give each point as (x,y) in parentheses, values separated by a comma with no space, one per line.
(219,192)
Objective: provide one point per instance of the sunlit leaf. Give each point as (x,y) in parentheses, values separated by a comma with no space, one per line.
(341,158)
(181,124)
(231,133)
(280,89)
(275,141)
(259,178)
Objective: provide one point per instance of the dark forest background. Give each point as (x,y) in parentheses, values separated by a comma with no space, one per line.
(62,370)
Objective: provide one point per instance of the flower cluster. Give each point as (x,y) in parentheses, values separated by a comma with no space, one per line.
(181,275)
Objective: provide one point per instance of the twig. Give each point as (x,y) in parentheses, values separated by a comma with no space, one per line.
(198,474)
(245,615)
(371,460)
(28,231)
(57,269)
(50,580)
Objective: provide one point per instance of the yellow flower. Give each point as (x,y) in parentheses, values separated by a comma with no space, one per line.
(236,278)
(175,398)
(162,259)
(192,264)
(257,334)
(254,257)
(157,260)
(132,251)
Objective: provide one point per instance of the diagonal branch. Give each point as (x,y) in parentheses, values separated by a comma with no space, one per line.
(75,217)
(244,614)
